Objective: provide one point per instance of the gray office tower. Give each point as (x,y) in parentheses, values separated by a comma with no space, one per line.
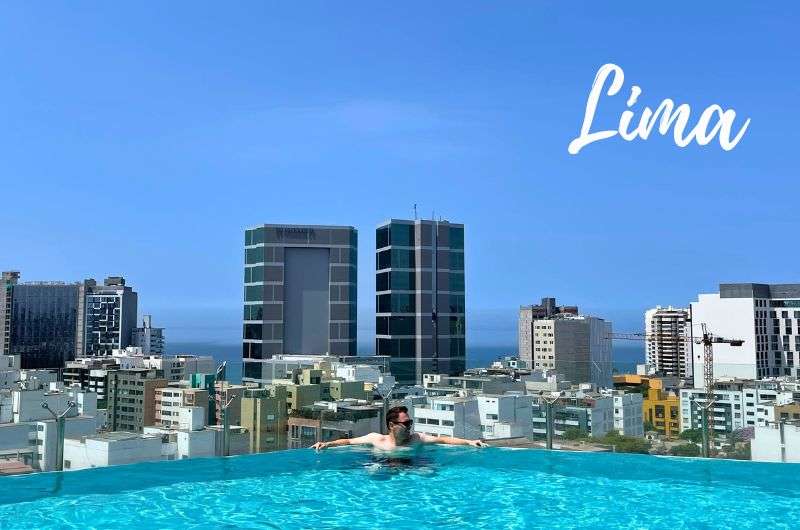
(109,316)
(420,319)
(39,321)
(299,292)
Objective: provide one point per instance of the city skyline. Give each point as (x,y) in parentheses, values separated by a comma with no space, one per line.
(181,117)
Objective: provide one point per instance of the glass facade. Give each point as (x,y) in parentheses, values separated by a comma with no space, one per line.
(419,282)
(299,292)
(110,317)
(43,324)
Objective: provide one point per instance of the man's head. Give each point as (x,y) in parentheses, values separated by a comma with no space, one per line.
(398,423)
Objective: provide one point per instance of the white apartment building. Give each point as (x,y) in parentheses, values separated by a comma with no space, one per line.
(484,416)
(766,317)
(628,414)
(181,367)
(544,381)
(776,443)
(175,406)
(27,404)
(579,347)
(362,372)
(111,449)
(589,412)
(505,416)
(738,403)
(31,429)
(442,384)
(175,368)
(47,437)
(148,338)
(188,438)
(9,371)
(179,444)
(448,416)
(668,339)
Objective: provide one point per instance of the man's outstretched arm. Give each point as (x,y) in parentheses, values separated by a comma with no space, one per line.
(361,440)
(449,440)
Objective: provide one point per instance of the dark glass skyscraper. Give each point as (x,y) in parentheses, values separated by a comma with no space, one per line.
(299,292)
(420,317)
(44,323)
(109,316)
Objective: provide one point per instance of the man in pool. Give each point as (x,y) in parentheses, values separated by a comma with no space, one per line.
(400,435)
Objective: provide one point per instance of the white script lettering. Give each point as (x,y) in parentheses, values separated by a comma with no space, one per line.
(666,115)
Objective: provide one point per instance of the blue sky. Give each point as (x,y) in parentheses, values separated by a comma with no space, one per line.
(141,140)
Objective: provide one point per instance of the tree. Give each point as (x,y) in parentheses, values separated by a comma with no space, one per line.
(692,435)
(626,444)
(685,450)
(575,433)
(648,426)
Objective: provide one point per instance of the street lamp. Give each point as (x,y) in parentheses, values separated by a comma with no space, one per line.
(385,390)
(60,424)
(549,424)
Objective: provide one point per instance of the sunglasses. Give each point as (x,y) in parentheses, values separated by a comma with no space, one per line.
(407,423)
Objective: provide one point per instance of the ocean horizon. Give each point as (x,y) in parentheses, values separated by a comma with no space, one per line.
(625,356)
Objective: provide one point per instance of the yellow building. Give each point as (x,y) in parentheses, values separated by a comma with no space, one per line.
(660,407)
(309,386)
(264,415)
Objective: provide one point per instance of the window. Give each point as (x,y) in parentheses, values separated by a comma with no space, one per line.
(491,416)
(401,258)
(253,293)
(254,255)
(382,237)
(404,281)
(401,235)
(457,238)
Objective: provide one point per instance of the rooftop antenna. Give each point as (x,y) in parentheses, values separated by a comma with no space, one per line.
(415,211)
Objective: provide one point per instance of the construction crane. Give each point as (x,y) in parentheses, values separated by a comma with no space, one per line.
(707,339)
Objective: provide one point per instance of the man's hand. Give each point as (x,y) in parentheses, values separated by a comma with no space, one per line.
(478,443)
(320,446)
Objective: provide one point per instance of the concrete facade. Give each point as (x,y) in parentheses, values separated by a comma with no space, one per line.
(299,292)
(111,449)
(668,341)
(528,315)
(131,398)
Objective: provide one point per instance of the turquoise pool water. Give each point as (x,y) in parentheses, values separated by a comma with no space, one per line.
(444,488)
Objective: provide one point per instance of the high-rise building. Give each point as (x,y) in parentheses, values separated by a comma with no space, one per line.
(765,316)
(299,292)
(7,282)
(420,320)
(148,338)
(668,344)
(131,398)
(39,321)
(528,314)
(579,347)
(109,316)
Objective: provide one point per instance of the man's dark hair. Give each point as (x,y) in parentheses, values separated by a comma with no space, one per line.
(393,413)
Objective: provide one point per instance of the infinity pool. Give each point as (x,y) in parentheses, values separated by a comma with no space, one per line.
(442,488)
